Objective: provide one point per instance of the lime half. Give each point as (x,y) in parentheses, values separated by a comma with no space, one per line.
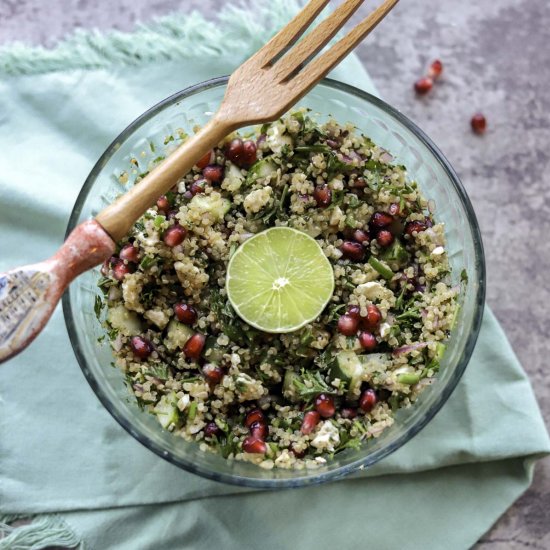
(279,280)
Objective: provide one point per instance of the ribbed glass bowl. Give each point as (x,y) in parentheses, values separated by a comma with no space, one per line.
(388,128)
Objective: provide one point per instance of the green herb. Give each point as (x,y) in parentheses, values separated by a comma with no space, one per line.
(139,226)
(408,378)
(168,139)
(347,442)
(334,312)
(312,149)
(148,261)
(104,284)
(464,276)
(160,158)
(159,371)
(159,220)
(98,306)
(171,198)
(310,384)
(101,339)
(152,146)
(360,427)
(353,201)
(191,379)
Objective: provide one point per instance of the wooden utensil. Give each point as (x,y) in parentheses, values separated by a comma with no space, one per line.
(260,90)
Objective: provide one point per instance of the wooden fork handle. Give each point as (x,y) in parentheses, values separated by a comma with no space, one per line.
(118,217)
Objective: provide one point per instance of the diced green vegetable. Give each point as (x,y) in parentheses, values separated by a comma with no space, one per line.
(167,411)
(177,335)
(212,351)
(349,369)
(192,411)
(381,268)
(408,378)
(289,390)
(124,321)
(217,206)
(264,168)
(395,255)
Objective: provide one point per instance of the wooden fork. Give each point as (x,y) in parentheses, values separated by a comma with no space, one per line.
(260,90)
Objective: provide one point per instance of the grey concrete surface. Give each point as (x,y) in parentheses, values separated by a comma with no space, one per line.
(496,61)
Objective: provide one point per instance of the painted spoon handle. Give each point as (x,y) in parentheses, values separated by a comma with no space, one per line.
(29,294)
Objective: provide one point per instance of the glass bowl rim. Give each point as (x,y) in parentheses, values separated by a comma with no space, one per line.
(367,461)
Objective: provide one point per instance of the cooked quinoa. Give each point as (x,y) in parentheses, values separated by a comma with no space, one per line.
(281,400)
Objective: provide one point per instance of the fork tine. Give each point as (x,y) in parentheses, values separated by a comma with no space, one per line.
(319,67)
(289,34)
(316,39)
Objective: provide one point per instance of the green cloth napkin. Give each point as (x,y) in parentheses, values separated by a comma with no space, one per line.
(64,460)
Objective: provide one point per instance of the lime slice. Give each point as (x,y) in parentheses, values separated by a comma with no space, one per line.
(279,280)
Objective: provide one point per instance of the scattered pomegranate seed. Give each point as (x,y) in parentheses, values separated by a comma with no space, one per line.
(213,173)
(381,219)
(373,317)
(193,347)
(197,187)
(311,419)
(361,236)
(258,430)
(141,347)
(322,195)
(212,373)
(415,227)
(479,123)
(120,270)
(435,70)
(354,312)
(324,405)
(367,340)
(185,313)
(394,209)
(255,415)
(248,157)
(358,183)
(348,412)
(174,235)
(211,429)
(205,160)
(163,204)
(368,400)
(234,149)
(254,445)
(423,85)
(352,250)
(129,252)
(384,238)
(348,325)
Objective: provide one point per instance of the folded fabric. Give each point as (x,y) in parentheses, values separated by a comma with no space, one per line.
(63,458)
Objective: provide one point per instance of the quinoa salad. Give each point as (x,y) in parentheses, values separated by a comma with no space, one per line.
(291,399)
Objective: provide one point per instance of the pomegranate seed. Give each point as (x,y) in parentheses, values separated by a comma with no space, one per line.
(384,238)
(414,227)
(193,346)
(311,419)
(394,209)
(354,312)
(234,149)
(258,430)
(435,70)
(120,270)
(211,429)
(324,405)
(248,157)
(358,183)
(197,187)
(348,325)
(322,195)
(381,219)
(163,204)
(296,453)
(368,400)
(367,340)
(213,173)
(348,412)
(205,160)
(352,250)
(174,235)
(423,85)
(374,316)
(141,347)
(129,252)
(255,415)
(185,313)
(212,373)
(254,445)
(361,236)
(479,123)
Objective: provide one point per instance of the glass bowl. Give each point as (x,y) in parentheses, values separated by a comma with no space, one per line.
(388,128)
